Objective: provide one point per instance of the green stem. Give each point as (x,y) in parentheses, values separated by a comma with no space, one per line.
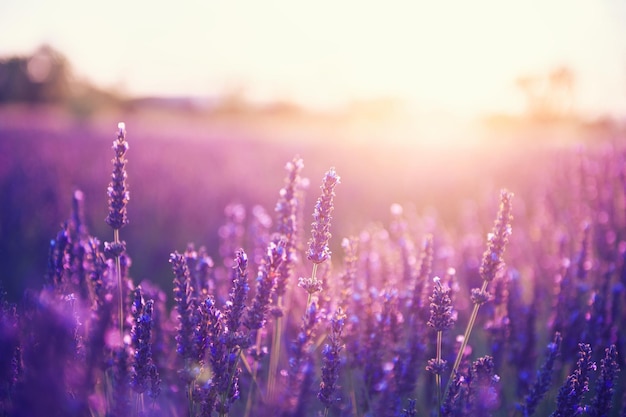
(118,271)
(468,331)
(231,374)
(255,371)
(190,399)
(438,375)
(275,353)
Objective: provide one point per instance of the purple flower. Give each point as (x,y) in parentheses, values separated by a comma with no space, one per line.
(441,314)
(544,378)
(185,305)
(287,209)
(496,240)
(265,282)
(605,385)
(570,395)
(331,359)
(481,384)
(410,411)
(235,305)
(318,245)
(144,374)
(118,190)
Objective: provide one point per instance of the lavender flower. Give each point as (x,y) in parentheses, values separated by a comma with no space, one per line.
(10,351)
(544,378)
(286,221)
(185,305)
(483,397)
(330,353)
(569,399)
(490,266)
(236,303)
(143,375)
(492,261)
(605,385)
(420,286)
(318,245)
(118,189)
(453,399)
(265,282)
(410,411)
(441,314)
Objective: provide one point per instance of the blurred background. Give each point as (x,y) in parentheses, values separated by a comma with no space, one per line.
(431,105)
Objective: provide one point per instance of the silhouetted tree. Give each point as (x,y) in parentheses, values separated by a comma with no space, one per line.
(42,77)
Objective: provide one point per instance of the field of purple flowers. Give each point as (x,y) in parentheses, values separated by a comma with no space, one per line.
(513,308)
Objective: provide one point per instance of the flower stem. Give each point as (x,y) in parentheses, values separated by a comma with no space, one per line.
(118,271)
(255,371)
(468,331)
(275,353)
(438,375)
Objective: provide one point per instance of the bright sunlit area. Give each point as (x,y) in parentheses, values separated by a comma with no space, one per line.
(427,60)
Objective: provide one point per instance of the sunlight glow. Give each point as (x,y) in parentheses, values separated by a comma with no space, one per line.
(457,56)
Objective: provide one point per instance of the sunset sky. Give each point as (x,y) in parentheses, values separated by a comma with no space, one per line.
(456,56)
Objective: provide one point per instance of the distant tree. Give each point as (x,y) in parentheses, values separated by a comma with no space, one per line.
(549,96)
(42,77)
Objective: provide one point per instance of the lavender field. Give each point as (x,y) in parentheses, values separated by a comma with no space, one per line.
(222,269)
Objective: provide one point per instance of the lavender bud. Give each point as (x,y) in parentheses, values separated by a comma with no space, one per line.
(544,377)
(437,366)
(142,376)
(318,245)
(605,386)
(332,361)
(236,303)
(496,240)
(440,307)
(310,285)
(184,304)
(287,221)
(480,297)
(118,190)
(265,282)
(576,385)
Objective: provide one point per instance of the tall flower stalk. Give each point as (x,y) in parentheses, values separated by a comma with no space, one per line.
(441,318)
(331,352)
(319,251)
(117,218)
(492,263)
(287,211)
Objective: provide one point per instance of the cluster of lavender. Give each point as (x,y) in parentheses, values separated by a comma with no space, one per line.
(416,320)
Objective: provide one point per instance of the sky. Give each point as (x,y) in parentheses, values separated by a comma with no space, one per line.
(457,56)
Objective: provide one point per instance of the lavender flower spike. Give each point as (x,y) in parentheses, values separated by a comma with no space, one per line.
(318,245)
(331,351)
(118,189)
(141,341)
(570,397)
(497,239)
(605,385)
(265,283)
(236,303)
(441,314)
(544,378)
(184,304)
